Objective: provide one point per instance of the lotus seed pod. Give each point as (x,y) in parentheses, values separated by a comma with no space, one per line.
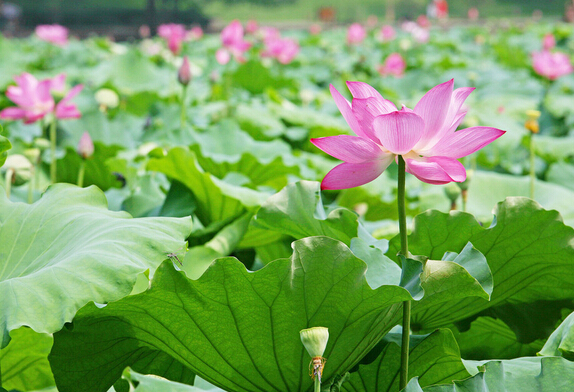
(41,143)
(21,166)
(315,340)
(107,98)
(452,191)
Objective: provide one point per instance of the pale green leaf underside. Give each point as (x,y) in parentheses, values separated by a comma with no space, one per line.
(68,249)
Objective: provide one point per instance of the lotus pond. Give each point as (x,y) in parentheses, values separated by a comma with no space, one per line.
(206,232)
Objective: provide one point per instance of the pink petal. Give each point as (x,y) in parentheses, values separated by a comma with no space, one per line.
(350,175)
(67,111)
(58,82)
(436,170)
(13,113)
(366,109)
(466,141)
(222,56)
(433,108)
(43,93)
(363,90)
(345,108)
(73,92)
(399,132)
(350,149)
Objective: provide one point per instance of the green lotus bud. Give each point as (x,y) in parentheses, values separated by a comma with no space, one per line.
(20,167)
(33,154)
(452,191)
(315,340)
(464,185)
(107,98)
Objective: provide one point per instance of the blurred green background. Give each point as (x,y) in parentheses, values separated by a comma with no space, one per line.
(135,12)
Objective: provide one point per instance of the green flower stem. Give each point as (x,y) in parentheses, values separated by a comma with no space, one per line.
(53,151)
(183,113)
(9,174)
(317,384)
(81,173)
(31,185)
(532,171)
(404,374)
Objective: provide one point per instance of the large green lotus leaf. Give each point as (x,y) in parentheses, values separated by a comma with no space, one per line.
(4,147)
(561,342)
(297,210)
(492,338)
(153,383)
(24,362)
(257,120)
(67,249)
(198,258)
(132,73)
(488,188)
(552,148)
(226,148)
(528,249)
(96,170)
(434,358)
(216,200)
(561,173)
(529,374)
(255,78)
(123,130)
(237,329)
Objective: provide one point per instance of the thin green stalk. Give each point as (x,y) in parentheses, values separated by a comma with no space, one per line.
(183,113)
(317,384)
(81,173)
(8,178)
(31,185)
(404,374)
(53,151)
(532,171)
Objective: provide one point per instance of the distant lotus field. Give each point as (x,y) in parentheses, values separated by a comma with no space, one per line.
(371,207)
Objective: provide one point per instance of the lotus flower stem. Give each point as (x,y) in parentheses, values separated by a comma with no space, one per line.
(404,373)
(532,168)
(31,185)
(317,384)
(53,151)
(8,178)
(81,173)
(183,113)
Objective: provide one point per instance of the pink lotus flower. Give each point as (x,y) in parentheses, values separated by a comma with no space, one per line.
(85,146)
(548,42)
(355,34)
(195,33)
(551,65)
(394,65)
(387,33)
(34,99)
(315,29)
(174,34)
(425,137)
(473,13)
(251,27)
(184,72)
(283,49)
(233,43)
(423,21)
(56,34)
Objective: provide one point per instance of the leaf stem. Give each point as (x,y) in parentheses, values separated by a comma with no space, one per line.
(31,185)
(183,113)
(404,373)
(8,178)
(53,151)
(81,173)
(317,384)
(532,169)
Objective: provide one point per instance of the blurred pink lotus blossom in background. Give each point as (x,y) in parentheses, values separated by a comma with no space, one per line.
(551,65)
(56,34)
(387,33)
(195,33)
(144,31)
(356,34)
(372,21)
(394,65)
(315,29)
(420,35)
(34,99)
(85,146)
(174,34)
(251,27)
(548,42)
(473,14)
(425,137)
(282,49)
(233,43)
(423,21)
(184,72)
